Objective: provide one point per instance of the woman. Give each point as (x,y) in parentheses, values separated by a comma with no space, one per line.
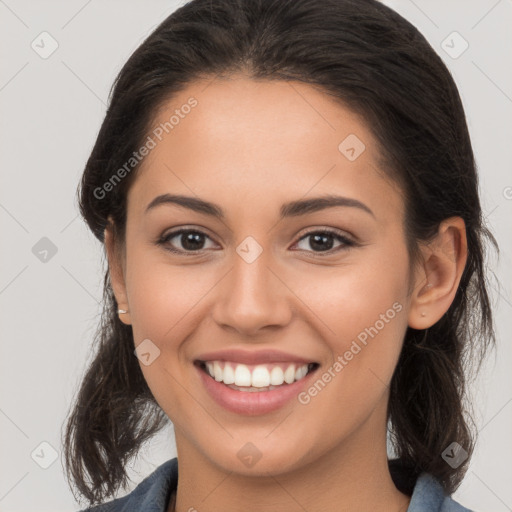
(288,199)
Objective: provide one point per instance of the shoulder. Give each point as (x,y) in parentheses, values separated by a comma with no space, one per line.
(151,495)
(428,495)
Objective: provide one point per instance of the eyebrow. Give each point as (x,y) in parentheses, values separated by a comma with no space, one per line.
(291,209)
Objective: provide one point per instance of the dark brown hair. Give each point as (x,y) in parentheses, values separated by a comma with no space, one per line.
(373,61)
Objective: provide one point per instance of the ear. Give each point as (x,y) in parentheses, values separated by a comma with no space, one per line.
(437,278)
(116,270)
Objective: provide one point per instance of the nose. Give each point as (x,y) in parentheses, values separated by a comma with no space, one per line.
(253,297)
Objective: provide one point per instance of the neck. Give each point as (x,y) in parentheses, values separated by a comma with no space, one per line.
(352,476)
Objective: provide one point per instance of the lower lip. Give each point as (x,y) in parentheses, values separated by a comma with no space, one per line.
(252,404)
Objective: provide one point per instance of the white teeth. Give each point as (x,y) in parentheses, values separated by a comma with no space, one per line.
(260,376)
(301,372)
(229,375)
(242,375)
(276,376)
(289,374)
(217,372)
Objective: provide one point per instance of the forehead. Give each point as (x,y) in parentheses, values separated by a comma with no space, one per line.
(260,142)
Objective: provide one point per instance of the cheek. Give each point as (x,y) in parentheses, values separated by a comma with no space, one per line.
(364,308)
(355,300)
(163,297)
(166,306)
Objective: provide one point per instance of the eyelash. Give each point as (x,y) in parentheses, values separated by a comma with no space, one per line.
(347,242)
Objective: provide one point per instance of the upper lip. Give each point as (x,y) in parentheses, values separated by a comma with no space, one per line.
(253,356)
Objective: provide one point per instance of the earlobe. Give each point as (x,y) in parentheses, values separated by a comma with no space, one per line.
(116,273)
(438,277)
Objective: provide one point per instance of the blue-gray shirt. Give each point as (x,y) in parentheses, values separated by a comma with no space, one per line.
(153,494)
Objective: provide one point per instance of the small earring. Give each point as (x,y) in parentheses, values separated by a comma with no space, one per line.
(428,285)
(423,313)
(122,311)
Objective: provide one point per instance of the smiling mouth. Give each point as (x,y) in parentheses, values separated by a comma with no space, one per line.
(255,378)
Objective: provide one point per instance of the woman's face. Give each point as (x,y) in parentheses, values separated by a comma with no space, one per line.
(261,288)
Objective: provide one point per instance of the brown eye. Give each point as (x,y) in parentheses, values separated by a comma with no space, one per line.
(323,241)
(190,240)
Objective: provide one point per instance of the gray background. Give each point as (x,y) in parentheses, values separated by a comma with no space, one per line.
(51,111)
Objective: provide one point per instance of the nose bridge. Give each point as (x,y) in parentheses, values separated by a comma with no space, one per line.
(251,296)
(251,278)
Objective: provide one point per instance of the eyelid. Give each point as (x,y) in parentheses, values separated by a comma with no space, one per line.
(331,231)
